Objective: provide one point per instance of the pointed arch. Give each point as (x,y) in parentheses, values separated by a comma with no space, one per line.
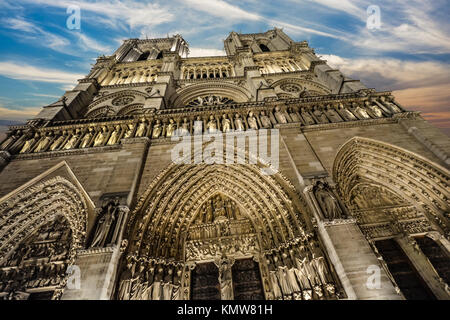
(412,177)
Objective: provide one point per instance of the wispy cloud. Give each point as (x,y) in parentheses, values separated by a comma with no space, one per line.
(18,114)
(222,9)
(20,71)
(204,52)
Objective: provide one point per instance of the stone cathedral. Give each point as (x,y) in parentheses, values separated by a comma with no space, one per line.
(93,205)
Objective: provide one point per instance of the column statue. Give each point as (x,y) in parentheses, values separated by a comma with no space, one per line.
(328,202)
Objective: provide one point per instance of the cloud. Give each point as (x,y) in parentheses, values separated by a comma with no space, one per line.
(204,52)
(18,114)
(419,86)
(223,9)
(90,44)
(21,71)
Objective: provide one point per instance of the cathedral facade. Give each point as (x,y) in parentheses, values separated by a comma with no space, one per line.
(99,199)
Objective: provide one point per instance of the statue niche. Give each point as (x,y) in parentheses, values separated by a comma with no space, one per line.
(107,224)
(328,202)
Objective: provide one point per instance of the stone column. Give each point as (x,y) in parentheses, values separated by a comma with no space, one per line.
(4,159)
(351,255)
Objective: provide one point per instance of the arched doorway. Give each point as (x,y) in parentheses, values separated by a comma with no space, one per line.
(397,198)
(223,232)
(41,228)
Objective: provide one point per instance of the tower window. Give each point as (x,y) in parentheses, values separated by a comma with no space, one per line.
(159,56)
(144,56)
(264,48)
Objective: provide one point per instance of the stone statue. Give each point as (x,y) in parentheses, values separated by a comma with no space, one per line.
(198,125)
(87,138)
(171,127)
(211,126)
(265,121)
(281,118)
(376,111)
(389,102)
(332,114)
(252,123)
(157,287)
(105,224)
(29,143)
(347,114)
(184,128)
(57,143)
(114,136)
(226,123)
(141,129)
(238,124)
(294,116)
(70,144)
(328,202)
(307,117)
(320,116)
(10,140)
(157,129)
(101,137)
(360,111)
(226,288)
(129,131)
(44,142)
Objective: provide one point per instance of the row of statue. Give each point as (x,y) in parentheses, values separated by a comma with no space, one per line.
(300,273)
(150,280)
(19,280)
(106,135)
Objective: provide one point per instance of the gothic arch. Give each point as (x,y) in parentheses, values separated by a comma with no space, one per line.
(181,189)
(189,93)
(413,178)
(26,211)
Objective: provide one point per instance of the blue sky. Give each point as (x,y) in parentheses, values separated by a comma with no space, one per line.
(40,57)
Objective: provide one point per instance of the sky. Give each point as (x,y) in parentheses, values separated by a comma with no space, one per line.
(42,55)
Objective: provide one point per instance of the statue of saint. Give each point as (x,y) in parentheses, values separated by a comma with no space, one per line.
(70,144)
(129,131)
(211,126)
(360,111)
(29,143)
(226,124)
(171,127)
(87,138)
(307,117)
(198,125)
(376,111)
(56,144)
(389,102)
(105,224)
(281,118)
(157,129)
(238,123)
(320,116)
(226,288)
(10,140)
(293,115)
(44,142)
(114,136)
(141,129)
(101,137)
(328,202)
(252,123)
(332,114)
(184,128)
(265,121)
(347,114)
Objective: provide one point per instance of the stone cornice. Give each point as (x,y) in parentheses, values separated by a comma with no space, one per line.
(59,153)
